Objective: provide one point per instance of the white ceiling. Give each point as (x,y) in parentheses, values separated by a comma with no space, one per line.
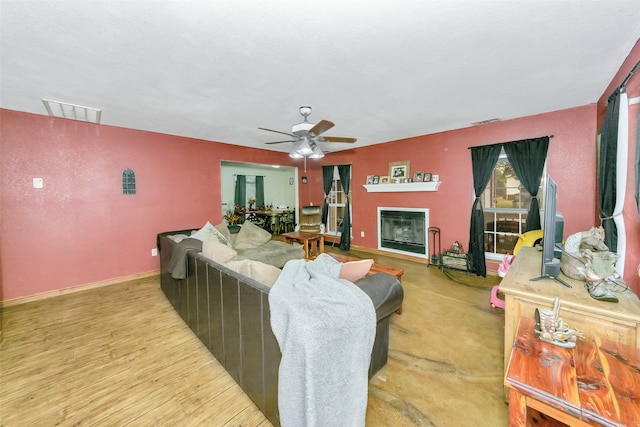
(380,70)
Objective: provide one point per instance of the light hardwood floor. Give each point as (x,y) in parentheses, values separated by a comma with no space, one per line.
(120,355)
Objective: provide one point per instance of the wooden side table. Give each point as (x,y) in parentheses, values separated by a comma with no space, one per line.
(312,242)
(595,383)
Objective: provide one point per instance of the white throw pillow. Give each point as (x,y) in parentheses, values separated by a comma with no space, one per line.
(209,232)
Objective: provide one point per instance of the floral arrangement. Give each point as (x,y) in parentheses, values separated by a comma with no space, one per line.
(232,217)
(252,202)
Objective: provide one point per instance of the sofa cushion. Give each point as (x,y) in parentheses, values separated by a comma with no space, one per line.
(218,252)
(259,271)
(251,236)
(355,270)
(273,252)
(209,232)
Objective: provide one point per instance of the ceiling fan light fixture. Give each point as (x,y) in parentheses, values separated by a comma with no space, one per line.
(295,155)
(317,153)
(304,148)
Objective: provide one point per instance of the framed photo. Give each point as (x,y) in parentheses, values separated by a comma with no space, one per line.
(384,180)
(375,179)
(418,176)
(427,177)
(399,170)
(369,179)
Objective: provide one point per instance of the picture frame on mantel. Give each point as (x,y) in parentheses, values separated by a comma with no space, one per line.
(418,176)
(427,177)
(399,170)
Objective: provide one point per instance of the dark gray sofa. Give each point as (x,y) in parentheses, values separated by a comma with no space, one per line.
(230,314)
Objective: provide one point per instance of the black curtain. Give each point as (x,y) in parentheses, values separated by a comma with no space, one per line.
(240,197)
(327,181)
(483,160)
(259,191)
(527,158)
(345,234)
(607,170)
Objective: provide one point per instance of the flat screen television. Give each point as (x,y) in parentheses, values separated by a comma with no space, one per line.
(552,241)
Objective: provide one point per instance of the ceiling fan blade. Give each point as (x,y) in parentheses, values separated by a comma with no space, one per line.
(277,131)
(338,139)
(280,142)
(321,127)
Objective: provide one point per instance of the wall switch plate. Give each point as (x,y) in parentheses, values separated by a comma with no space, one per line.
(362,234)
(154,252)
(38,182)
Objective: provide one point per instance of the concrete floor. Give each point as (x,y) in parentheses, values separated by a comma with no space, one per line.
(445,362)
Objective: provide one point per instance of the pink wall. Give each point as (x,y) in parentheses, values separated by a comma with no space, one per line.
(571,162)
(79,228)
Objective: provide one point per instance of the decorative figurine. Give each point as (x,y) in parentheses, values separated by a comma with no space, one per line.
(552,330)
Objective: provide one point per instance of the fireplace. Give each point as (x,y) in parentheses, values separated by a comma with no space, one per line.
(404,231)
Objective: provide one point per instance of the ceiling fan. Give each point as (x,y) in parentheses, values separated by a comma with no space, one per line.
(306,136)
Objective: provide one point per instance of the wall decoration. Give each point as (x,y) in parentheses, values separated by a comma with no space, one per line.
(376,179)
(399,170)
(427,177)
(384,180)
(369,179)
(418,176)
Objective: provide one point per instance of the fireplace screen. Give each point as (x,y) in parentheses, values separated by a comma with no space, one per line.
(404,231)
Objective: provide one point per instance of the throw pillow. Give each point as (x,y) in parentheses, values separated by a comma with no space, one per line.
(224,230)
(209,232)
(219,252)
(259,271)
(251,236)
(355,270)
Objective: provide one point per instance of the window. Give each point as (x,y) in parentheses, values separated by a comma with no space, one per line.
(506,203)
(337,201)
(128,181)
(250,188)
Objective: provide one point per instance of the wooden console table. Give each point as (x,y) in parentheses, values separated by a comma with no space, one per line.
(617,322)
(595,383)
(310,241)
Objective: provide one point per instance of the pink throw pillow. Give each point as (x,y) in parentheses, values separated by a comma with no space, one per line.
(355,270)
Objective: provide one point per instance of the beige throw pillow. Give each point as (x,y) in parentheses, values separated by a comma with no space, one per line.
(259,271)
(251,236)
(218,252)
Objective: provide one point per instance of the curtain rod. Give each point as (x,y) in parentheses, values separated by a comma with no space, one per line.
(236,174)
(500,143)
(631,73)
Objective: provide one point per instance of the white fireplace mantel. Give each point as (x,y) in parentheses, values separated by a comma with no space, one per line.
(396,188)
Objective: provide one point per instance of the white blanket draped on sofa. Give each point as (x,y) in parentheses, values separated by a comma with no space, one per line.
(325,327)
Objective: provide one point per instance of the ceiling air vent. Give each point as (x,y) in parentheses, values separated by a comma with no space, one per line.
(71,111)
(484,122)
